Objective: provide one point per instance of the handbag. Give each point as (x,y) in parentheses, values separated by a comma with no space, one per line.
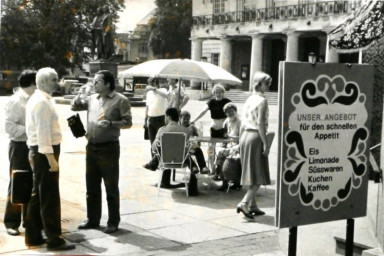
(21,186)
(146,135)
(232,168)
(77,127)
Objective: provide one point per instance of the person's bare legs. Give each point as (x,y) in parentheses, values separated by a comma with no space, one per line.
(244,205)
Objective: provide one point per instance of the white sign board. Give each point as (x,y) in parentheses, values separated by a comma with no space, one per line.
(323,142)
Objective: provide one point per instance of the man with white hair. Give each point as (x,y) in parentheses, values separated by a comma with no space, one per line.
(44,137)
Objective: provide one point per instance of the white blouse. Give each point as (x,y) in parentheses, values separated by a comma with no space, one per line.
(252,114)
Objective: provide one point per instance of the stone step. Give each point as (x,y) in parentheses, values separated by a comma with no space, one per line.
(364,238)
(239,96)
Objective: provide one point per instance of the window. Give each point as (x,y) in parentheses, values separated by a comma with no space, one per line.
(279,3)
(247,5)
(142,47)
(215,59)
(218,6)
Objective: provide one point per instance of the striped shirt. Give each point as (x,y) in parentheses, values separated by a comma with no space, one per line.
(15,116)
(42,122)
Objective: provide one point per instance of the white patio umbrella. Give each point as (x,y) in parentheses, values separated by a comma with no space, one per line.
(182,69)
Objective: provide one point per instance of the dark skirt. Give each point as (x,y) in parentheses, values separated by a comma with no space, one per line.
(255,167)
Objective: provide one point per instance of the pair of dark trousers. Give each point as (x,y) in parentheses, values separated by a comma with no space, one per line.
(44,209)
(18,160)
(197,152)
(102,163)
(154,124)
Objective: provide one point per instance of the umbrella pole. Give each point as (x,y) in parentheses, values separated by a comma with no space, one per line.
(178,96)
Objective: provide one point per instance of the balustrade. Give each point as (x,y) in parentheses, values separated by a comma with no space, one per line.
(287,12)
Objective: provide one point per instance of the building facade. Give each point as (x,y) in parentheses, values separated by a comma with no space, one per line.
(244,36)
(138,50)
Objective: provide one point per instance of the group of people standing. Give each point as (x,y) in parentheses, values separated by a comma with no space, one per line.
(33,126)
(249,134)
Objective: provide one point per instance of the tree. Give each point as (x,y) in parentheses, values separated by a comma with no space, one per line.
(38,33)
(171,29)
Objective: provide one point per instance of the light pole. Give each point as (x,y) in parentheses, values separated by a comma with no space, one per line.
(1,15)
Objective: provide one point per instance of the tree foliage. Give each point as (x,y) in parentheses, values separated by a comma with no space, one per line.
(171,29)
(38,33)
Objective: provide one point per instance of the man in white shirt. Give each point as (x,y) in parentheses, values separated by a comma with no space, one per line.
(18,149)
(157,103)
(177,97)
(44,137)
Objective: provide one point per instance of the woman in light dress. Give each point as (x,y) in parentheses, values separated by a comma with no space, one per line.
(254,148)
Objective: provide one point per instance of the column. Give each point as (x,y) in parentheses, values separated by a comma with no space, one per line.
(331,54)
(197,49)
(150,56)
(323,47)
(225,61)
(292,52)
(256,57)
(196,53)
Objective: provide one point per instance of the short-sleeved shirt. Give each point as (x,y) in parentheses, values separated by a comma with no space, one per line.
(216,108)
(157,104)
(250,119)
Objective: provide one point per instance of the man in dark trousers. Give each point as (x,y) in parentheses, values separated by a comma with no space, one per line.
(44,138)
(18,149)
(108,112)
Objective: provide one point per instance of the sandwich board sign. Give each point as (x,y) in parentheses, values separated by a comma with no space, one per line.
(324,131)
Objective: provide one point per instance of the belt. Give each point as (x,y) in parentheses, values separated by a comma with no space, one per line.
(102,143)
(36,148)
(18,142)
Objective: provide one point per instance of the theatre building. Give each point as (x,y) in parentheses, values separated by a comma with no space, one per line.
(244,36)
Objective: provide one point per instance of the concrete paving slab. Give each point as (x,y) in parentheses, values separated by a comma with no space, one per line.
(196,232)
(128,243)
(128,206)
(260,224)
(274,253)
(156,219)
(204,213)
(79,250)
(11,243)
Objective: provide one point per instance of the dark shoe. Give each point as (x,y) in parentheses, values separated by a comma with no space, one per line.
(257,212)
(13,231)
(36,243)
(179,185)
(216,177)
(193,193)
(149,167)
(235,187)
(87,224)
(62,247)
(223,187)
(110,229)
(241,208)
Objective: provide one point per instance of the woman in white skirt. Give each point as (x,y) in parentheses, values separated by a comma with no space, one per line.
(254,149)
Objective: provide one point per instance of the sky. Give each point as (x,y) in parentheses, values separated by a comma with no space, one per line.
(135,10)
